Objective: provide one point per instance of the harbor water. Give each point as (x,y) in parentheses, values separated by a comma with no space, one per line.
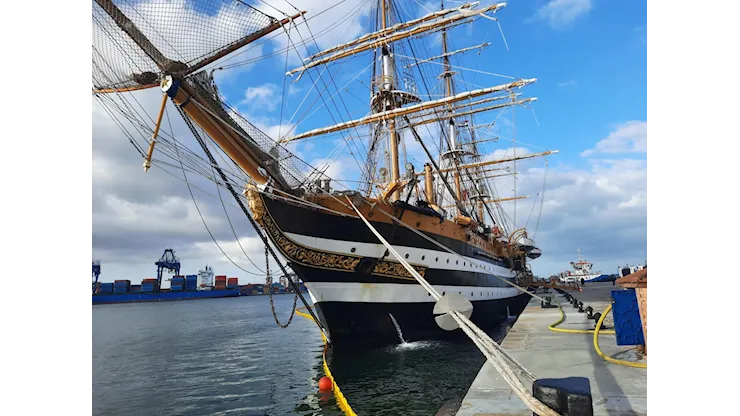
(227,356)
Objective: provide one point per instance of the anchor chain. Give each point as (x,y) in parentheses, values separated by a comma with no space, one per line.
(269,292)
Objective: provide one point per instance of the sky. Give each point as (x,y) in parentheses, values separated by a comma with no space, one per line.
(590,61)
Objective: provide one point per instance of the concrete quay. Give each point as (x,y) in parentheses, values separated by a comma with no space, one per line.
(616,389)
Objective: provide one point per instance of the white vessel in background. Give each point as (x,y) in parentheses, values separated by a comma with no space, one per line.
(205,278)
(581,270)
(628,270)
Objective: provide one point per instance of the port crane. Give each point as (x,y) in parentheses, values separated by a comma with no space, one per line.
(168,262)
(95,273)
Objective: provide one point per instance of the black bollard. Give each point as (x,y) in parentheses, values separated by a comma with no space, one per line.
(590,311)
(567,396)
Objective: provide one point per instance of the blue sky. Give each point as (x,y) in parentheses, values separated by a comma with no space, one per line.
(590,59)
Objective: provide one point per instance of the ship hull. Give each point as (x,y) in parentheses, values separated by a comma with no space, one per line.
(99,299)
(359,292)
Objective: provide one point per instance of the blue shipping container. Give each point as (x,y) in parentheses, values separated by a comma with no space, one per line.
(176,288)
(191,276)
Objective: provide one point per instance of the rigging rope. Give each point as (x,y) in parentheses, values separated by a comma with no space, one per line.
(501,360)
(269,292)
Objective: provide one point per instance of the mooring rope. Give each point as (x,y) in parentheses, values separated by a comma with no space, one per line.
(493,352)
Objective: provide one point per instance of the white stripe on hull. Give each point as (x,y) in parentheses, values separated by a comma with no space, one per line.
(398,293)
(419,256)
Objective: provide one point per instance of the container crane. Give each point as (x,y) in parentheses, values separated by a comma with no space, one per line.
(169,262)
(95,273)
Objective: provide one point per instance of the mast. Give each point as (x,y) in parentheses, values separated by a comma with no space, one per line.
(447,74)
(387,88)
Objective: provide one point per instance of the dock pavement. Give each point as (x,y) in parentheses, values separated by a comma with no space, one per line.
(616,389)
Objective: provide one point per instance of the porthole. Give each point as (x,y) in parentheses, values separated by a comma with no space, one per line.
(436,259)
(423,257)
(463,263)
(443,293)
(407,255)
(471,294)
(354,249)
(457,261)
(481,293)
(448,260)
(418,224)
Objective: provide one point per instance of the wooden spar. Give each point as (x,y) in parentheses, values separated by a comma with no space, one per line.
(150,152)
(448,54)
(386,30)
(417,122)
(395,170)
(462,14)
(474,103)
(127,89)
(493,162)
(227,141)
(373,118)
(429,184)
(243,42)
(491,201)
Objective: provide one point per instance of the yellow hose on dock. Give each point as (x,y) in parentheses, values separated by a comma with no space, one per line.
(596,332)
(341,401)
(575,331)
(604,356)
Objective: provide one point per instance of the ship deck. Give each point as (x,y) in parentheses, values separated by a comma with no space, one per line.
(616,389)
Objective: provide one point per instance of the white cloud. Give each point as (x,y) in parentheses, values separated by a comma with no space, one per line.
(264,96)
(568,83)
(561,13)
(628,137)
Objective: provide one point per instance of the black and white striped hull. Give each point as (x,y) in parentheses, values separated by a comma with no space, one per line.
(356,290)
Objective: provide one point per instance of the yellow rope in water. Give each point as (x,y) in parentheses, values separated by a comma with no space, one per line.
(341,401)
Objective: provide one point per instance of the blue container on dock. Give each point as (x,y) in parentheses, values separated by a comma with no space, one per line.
(627,322)
(106,288)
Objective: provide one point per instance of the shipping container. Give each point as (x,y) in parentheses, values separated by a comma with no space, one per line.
(176,288)
(135,289)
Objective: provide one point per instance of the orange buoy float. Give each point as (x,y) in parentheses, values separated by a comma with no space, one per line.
(325,383)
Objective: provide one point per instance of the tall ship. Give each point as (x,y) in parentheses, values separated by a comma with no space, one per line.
(443,213)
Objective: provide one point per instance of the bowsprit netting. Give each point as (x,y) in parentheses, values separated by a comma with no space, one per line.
(177,35)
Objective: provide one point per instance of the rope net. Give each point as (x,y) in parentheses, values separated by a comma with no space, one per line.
(175,34)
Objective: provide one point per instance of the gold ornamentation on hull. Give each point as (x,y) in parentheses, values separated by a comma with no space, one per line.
(255,202)
(332,261)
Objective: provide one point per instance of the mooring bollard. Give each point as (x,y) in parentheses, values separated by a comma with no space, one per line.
(590,311)
(568,396)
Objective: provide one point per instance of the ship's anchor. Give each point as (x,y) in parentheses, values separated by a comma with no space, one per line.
(448,303)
